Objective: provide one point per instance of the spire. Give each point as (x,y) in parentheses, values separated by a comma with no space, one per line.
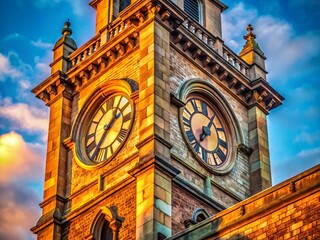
(66,30)
(61,50)
(251,44)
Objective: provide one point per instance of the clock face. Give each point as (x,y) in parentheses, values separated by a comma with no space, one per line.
(108,128)
(205,132)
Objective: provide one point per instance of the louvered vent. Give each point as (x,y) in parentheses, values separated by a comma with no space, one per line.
(191,7)
(123,4)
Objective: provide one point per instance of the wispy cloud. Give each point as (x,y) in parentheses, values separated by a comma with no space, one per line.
(20,162)
(277,38)
(302,161)
(41,44)
(234,23)
(6,68)
(24,117)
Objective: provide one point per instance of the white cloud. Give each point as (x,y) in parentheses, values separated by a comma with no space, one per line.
(24,117)
(234,23)
(308,137)
(7,70)
(292,166)
(19,159)
(21,169)
(283,45)
(12,68)
(284,48)
(42,65)
(41,44)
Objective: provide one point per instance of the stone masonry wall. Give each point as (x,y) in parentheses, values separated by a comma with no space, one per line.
(290,210)
(237,181)
(124,200)
(183,206)
(125,68)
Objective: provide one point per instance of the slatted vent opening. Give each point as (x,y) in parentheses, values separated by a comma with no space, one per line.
(191,7)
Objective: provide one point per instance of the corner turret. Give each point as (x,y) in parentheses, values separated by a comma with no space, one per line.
(63,47)
(253,55)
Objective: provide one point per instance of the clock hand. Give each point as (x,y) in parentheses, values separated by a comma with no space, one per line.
(106,129)
(114,117)
(206,129)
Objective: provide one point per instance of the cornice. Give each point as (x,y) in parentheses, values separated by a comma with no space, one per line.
(187,37)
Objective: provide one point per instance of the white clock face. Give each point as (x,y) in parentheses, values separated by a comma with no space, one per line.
(108,128)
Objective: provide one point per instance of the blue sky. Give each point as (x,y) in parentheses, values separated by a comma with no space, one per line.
(287,31)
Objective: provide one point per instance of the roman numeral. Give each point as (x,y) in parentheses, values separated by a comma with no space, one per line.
(220,129)
(91,146)
(194,105)
(196,146)
(100,156)
(89,137)
(223,143)
(127,117)
(186,122)
(221,155)
(214,159)
(190,135)
(102,110)
(204,155)
(187,112)
(204,108)
(124,107)
(122,134)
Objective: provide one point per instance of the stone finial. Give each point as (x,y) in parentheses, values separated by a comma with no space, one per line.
(251,44)
(66,30)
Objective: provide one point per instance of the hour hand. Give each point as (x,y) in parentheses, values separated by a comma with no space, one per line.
(205,132)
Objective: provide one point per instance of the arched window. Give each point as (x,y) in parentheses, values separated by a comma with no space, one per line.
(106,224)
(199,215)
(194,9)
(106,232)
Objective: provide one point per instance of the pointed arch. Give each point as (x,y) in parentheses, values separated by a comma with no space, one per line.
(106,224)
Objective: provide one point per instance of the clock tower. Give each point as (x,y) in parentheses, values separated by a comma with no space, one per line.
(155,124)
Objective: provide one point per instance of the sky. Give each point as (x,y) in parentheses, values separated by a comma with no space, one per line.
(288,32)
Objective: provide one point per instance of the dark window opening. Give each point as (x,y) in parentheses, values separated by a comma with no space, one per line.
(124,4)
(106,233)
(200,217)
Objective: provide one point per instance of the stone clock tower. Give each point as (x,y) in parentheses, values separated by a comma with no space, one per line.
(155,124)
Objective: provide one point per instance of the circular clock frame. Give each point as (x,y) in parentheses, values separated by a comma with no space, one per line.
(204,91)
(96,115)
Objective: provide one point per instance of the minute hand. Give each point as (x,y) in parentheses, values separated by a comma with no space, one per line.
(106,130)
(206,129)
(211,121)
(100,142)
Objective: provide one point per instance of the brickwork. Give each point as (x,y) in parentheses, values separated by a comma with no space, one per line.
(290,210)
(126,68)
(183,206)
(154,181)
(124,200)
(153,186)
